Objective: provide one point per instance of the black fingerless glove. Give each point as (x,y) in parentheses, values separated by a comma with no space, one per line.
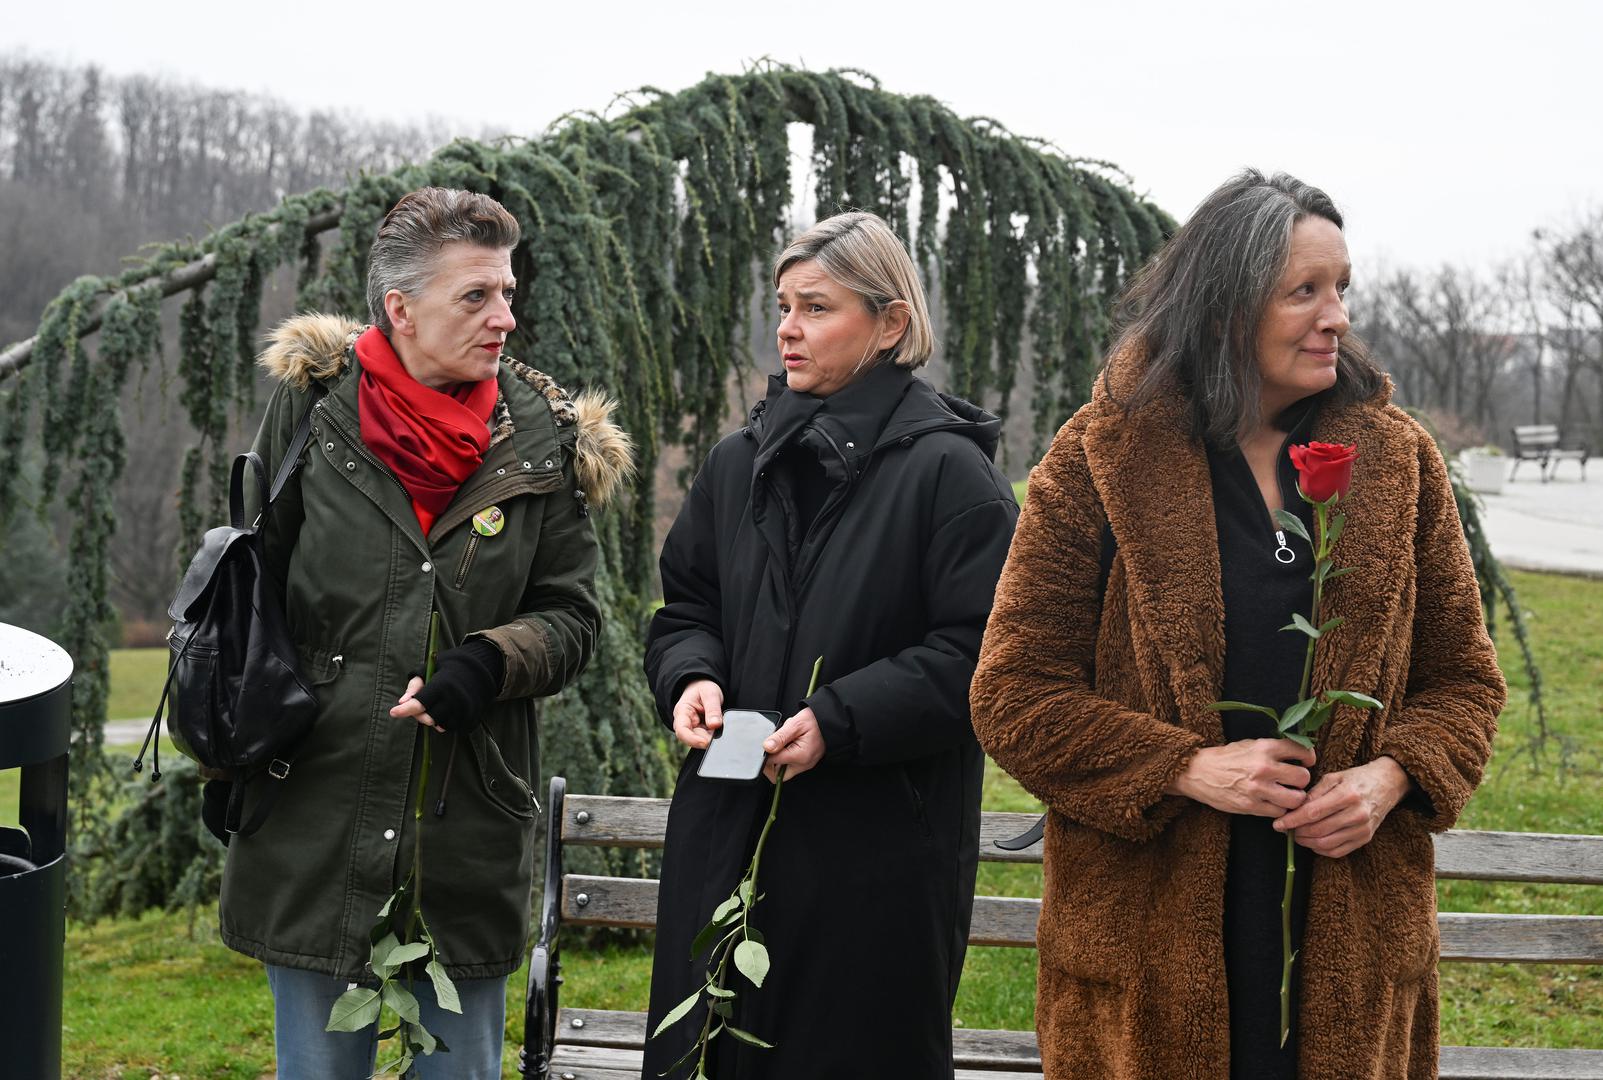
(466,680)
(214,796)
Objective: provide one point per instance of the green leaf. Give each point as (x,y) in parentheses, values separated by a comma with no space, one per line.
(720,992)
(1336,527)
(707,935)
(1242,706)
(677,1013)
(1293,524)
(401,1000)
(1301,740)
(747,1037)
(354,1010)
(1317,718)
(1340,572)
(727,908)
(752,960)
(694,1051)
(1300,623)
(1295,715)
(405,954)
(1330,624)
(444,989)
(745,891)
(379,955)
(1356,700)
(421,1040)
(753,934)
(724,1009)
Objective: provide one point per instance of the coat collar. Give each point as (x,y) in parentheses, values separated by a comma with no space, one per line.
(1153,481)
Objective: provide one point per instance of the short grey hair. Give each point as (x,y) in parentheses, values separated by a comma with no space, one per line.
(1194,309)
(414,231)
(861,252)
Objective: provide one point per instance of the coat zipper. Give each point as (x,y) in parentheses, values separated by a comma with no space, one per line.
(467,559)
(1283,553)
(830,509)
(362,451)
(790,600)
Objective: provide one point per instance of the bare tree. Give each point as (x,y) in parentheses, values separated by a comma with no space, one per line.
(1572,261)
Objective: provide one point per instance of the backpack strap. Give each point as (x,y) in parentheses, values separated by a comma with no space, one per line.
(292,456)
(277,771)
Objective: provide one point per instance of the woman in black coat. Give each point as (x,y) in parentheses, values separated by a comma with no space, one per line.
(858,518)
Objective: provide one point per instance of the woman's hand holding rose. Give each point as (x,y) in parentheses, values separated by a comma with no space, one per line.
(1345,808)
(1265,777)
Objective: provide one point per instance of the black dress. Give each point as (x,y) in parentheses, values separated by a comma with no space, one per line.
(1263,666)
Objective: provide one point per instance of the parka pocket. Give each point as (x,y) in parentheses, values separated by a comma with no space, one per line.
(502,785)
(915,800)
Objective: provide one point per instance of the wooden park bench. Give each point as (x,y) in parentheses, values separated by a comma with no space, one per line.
(597,1044)
(1540,443)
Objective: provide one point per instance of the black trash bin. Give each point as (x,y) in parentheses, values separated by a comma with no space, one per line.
(35,728)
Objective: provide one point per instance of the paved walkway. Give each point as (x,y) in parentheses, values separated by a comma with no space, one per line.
(1556,526)
(127,732)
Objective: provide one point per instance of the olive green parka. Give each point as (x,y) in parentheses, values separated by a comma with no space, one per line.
(360,583)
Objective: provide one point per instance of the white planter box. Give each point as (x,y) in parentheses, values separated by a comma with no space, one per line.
(1485,472)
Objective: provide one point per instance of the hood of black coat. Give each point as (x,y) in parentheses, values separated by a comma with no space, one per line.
(887,406)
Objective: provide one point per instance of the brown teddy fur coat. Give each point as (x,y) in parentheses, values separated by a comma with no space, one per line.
(1096,716)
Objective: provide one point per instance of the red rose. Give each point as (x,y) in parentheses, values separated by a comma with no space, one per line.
(1324,469)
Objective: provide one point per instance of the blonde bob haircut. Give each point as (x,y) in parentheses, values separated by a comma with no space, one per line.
(859,251)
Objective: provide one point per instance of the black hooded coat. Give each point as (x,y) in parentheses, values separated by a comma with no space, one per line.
(881,557)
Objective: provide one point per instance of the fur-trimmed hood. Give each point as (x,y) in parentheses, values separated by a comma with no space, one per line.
(317,347)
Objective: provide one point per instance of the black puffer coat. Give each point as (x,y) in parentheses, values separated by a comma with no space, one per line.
(868,876)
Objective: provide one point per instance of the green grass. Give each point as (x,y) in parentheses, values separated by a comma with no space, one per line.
(137,676)
(143,997)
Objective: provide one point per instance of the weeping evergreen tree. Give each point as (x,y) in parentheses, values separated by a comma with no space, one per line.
(644,235)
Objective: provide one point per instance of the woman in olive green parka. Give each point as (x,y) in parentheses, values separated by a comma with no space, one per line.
(507,560)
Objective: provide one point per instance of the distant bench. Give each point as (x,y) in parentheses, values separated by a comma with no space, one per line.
(1540,443)
(599,1044)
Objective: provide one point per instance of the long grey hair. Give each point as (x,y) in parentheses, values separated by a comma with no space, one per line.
(1195,307)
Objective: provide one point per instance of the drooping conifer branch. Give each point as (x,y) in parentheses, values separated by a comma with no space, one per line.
(645,234)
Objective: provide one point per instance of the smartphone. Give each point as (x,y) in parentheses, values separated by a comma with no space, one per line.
(736,752)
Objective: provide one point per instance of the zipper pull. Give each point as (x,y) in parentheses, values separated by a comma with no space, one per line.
(1283,553)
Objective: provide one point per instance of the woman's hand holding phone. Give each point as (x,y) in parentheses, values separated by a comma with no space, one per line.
(700,712)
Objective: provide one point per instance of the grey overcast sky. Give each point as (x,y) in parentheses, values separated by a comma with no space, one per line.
(1447,131)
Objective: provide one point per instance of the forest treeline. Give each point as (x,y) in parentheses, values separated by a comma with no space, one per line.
(92,166)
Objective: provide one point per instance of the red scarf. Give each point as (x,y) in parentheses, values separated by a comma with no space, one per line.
(432,440)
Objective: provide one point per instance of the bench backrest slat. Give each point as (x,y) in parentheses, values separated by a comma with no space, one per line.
(613,821)
(1011,921)
(1552,858)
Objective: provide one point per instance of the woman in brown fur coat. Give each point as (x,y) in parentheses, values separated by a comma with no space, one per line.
(1147,580)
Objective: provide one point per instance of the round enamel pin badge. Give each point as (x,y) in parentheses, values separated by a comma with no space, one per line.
(489,521)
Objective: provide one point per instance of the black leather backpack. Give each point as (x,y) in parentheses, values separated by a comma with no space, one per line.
(239,704)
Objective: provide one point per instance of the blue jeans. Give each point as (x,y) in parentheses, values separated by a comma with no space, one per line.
(301,1004)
